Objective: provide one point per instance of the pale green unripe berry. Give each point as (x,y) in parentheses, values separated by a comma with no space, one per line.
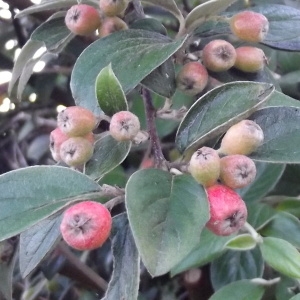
(76,121)
(204,166)
(218,56)
(249,26)
(82,19)
(113,8)
(192,78)
(124,126)
(76,151)
(237,171)
(242,138)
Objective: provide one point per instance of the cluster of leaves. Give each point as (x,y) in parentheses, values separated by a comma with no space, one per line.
(165,214)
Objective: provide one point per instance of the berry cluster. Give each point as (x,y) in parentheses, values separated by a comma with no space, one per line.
(235,170)
(83,19)
(220,55)
(73,141)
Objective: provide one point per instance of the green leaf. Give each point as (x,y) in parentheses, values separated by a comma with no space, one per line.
(34,193)
(284,226)
(236,265)
(166,218)
(259,214)
(149,24)
(281,256)
(242,290)
(8,258)
(281,135)
(124,282)
(290,205)
(145,50)
(284,288)
(162,80)
(110,95)
(108,154)
(267,175)
(210,247)
(53,5)
(241,242)
(205,10)
(217,110)
(36,242)
(296,297)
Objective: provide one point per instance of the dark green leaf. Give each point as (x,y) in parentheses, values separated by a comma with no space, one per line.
(259,214)
(210,247)
(284,288)
(149,24)
(36,242)
(241,242)
(281,135)
(110,95)
(219,109)
(145,50)
(242,290)
(34,193)
(284,226)
(124,283)
(166,218)
(236,265)
(8,258)
(267,175)
(290,205)
(281,256)
(108,154)
(296,297)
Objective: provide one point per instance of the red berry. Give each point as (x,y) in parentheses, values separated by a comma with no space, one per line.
(57,137)
(82,19)
(228,212)
(86,225)
(111,25)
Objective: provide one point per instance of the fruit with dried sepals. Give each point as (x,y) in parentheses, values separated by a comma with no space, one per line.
(86,225)
(228,211)
(242,138)
(82,19)
(76,151)
(237,171)
(204,166)
(124,126)
(250,59)
(112,8)
(111,25)
(76,121)
(218,56)
(249,26)
(192,78)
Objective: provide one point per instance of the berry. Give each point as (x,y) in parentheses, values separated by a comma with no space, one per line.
(76,121)
(228,211)
(204,166)
(242,138)
(124,126)
(82,19)
(218,55)
(113,8)
(111,25)
(237,171)
(249,26)
(250,59)
(76,151)
(192,78)
(57,137)
(86,225)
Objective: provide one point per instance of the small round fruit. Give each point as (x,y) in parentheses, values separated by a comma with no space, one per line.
(86,225)
(192,78)
(124,126)
(82,19)
(237,171)
(249,26)
(57,137)
(218,56)
(204,166)
(228,211)
(250,59)
(113,8)
(76,121)
(242,138)
(76,151)
(111,25)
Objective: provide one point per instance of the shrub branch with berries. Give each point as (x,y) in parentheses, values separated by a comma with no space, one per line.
(178,134)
